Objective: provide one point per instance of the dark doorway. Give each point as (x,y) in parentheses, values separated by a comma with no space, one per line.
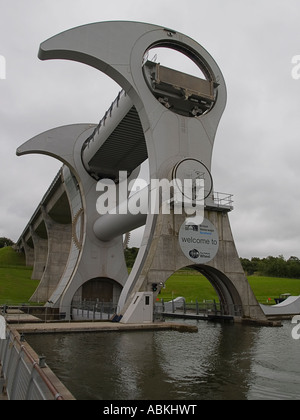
(100,288)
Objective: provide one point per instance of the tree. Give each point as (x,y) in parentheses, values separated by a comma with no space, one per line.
(250,266)
(247,266)
(273,266)
(5,242)
(293,267)
(130,256)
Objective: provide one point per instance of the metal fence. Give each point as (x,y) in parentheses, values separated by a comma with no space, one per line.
(94,310)
(24,377)
(82,310)
(26,313)
(205,308)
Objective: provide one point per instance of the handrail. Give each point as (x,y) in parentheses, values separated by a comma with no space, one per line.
(55,393)
(223,199)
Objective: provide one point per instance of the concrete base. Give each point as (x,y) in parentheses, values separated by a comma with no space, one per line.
(79,327)
(224,271)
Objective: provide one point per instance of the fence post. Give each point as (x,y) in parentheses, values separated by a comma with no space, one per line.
(215,307)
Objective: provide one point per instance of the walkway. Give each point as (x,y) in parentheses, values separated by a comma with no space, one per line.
(59,327)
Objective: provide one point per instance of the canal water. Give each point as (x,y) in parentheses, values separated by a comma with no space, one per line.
(221,361)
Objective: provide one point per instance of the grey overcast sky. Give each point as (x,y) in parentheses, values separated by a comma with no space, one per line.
(257,149)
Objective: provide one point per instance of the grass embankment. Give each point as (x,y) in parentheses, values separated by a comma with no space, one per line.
(266,288)
(190,285)
(10,258)
(16,285)
(194,286)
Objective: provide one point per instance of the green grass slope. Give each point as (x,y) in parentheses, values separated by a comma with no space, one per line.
(193,285)
(9,257)
(16,286)
(266,288)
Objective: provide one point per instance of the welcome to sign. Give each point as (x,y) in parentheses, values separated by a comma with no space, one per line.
(199,243)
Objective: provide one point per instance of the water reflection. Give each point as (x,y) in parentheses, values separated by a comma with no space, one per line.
(275,367)
(220,362)
(213,364)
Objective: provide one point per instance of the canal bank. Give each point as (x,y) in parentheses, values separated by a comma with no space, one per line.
(24,375)
(223,361)
(21,338)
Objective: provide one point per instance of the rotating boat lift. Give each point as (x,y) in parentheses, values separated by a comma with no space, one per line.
(169,118)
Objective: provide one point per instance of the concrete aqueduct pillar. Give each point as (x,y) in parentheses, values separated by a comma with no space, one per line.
(56,248)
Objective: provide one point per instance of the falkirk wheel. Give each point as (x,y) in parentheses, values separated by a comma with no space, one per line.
(171,119)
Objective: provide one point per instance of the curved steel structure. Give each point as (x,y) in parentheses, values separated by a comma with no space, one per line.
(164,115)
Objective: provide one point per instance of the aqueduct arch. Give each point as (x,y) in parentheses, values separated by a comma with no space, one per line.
(228,295)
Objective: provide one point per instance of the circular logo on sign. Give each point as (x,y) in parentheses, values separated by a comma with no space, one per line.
(199,243)
(194,253)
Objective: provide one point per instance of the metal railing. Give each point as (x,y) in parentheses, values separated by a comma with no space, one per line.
(24,378)
(84,310)
(205,308)
(108,113)
(93,310)
(37,210)
(16,314)
(223,200)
